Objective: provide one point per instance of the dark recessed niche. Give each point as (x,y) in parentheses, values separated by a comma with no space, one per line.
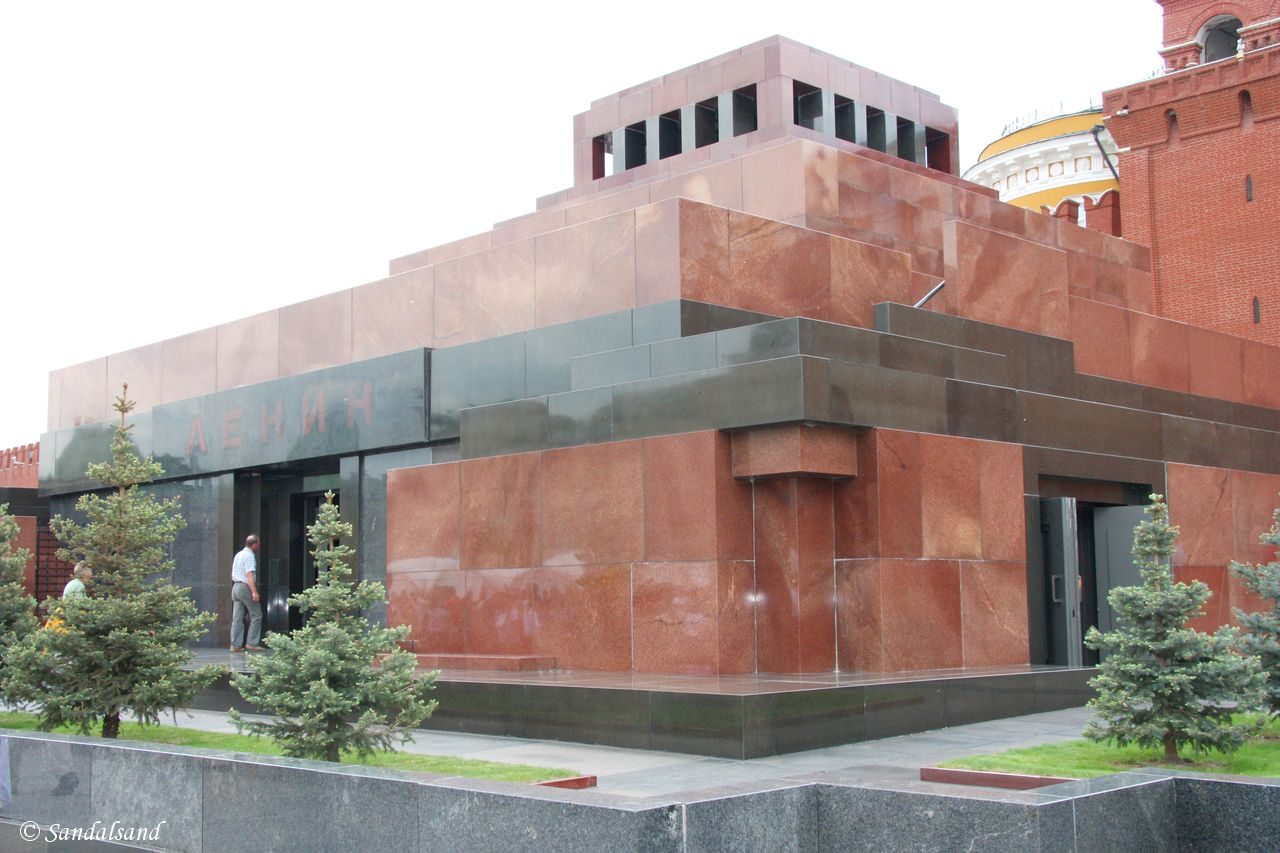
(668,134)
(636,151)
(875,129)
(846,120)
(806,104)
(744,110)
(906,139)
(706,123)
(937,150)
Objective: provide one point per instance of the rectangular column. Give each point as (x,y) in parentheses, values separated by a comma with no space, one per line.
(724,106)
(795,574)
(890,134)
(651,140)
(619,151)
(349,499)
(827,123)
(688,131)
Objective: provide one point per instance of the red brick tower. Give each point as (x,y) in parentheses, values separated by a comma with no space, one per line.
(1200,156)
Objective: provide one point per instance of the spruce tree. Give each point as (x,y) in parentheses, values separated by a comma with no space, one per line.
(17,608)
(1261,635)
(121,648)
(1162,684)
(323,682)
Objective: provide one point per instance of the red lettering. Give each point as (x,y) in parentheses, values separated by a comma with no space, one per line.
(231,428)
(364,403)
(267,421)
(313,415)
(195,436)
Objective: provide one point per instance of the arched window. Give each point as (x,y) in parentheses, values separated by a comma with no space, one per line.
(1219,38)
(1246,109)
(1171,119)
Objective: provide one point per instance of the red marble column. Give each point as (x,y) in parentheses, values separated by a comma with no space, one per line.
(795,575)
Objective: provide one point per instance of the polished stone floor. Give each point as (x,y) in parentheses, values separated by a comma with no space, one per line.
(891,762)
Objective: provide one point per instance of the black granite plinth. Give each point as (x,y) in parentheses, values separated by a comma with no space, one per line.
(741,717)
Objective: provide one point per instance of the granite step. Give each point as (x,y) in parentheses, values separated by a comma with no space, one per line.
(500,663)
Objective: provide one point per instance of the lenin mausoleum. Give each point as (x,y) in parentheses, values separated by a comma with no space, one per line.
(675,461)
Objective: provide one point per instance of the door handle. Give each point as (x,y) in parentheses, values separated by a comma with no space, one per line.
(1055,590)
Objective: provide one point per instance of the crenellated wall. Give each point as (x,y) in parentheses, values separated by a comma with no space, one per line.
(1201,164)
(20,466)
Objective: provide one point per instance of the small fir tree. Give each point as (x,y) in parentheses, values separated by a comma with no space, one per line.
(17,608)
(1162,683)
(320,681)
(1261,635)
(121,649)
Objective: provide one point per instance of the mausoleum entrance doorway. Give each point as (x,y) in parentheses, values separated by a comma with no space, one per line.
(1087,539)
(280,504)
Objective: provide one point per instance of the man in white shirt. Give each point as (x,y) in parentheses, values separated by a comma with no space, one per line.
(244,597)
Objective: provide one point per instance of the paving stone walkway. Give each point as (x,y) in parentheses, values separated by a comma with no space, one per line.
(893,762)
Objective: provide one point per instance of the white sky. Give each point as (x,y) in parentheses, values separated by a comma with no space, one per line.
(168,166)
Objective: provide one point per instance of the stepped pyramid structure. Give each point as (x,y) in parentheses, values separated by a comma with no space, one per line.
(683,421)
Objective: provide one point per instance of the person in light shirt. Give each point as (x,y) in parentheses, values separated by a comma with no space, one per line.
(245,598)
(76,586)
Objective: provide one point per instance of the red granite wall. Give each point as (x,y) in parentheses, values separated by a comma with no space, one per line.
(931,554)
(650,556)
(1222,513)
(1149,350)
(628,555)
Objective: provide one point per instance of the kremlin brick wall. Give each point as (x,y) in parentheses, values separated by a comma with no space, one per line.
(1200,160)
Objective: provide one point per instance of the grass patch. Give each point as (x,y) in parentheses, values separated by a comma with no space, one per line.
(1083,759)
(228,742)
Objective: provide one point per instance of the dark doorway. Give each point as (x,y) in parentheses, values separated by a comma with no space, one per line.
(303,511)
(279,504)
(1087,553)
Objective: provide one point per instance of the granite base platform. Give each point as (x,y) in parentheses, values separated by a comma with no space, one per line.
(744,716)
(196,799)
